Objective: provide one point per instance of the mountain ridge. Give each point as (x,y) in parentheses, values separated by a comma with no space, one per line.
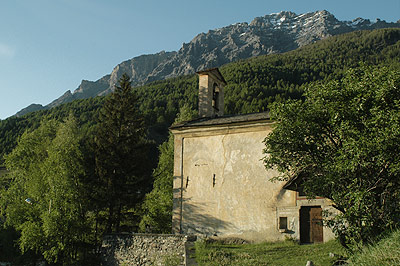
(269,34)
(253,84)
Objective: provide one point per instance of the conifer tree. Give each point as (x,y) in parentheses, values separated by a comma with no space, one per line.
(157,206)
(120,151)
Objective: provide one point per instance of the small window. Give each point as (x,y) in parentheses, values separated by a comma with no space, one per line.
(282,223)
(215,97)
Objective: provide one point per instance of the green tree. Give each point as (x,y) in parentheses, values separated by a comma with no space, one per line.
(42,201)
(120,155)
(253,83)
(342,143)
(157,206)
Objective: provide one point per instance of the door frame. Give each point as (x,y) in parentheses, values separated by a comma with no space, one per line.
(311,231)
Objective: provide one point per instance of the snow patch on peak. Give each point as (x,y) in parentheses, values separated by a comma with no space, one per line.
(300,16)
(358,22)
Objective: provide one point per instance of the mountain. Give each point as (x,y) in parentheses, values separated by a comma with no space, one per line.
(274,33)
(30,108)
(253,84)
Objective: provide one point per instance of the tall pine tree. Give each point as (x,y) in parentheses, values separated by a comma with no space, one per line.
(157,206)
(120,155)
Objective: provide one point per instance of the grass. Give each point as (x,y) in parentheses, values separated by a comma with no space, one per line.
(172,260)
(284,253)
(385,253)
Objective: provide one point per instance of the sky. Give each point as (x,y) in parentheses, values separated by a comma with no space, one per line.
(49,46)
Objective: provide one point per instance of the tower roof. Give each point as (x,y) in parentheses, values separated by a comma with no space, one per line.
(214,72)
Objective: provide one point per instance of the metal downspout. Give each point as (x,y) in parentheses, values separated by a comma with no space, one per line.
(181,200)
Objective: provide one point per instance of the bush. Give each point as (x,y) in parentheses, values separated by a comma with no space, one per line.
(385,252)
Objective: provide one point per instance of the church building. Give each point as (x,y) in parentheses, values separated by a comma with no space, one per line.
(221,186)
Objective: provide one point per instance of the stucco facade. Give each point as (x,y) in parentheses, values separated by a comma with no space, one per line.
(222,188)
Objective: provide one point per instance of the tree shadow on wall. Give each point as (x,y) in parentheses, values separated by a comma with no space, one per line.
(198,220)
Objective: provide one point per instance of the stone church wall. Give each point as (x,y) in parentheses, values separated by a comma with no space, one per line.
(222,188)
(225,187)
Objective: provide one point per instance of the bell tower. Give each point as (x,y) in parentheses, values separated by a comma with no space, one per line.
(211,93)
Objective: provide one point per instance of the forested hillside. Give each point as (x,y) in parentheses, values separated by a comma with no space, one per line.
(83,169)
(275,33)
(252,83)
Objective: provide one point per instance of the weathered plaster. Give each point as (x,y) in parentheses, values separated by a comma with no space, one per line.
(221,187)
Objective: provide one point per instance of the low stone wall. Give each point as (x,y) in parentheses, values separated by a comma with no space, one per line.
(144,249)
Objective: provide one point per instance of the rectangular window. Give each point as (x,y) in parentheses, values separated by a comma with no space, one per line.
(282,223)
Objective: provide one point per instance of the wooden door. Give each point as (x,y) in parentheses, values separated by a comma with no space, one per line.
(316,224)
(311,230)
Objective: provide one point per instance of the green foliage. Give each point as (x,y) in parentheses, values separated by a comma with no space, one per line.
(120,155)
(172,260)
(42,201)
(253,84)
(279,253)
(9,250)
(162,100)
(12,128)
(384,253)
(342,142)
(157,206)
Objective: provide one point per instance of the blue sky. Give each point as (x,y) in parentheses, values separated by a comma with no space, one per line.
(48,46)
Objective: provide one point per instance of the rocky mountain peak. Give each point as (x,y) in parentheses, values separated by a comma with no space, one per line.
(273,33)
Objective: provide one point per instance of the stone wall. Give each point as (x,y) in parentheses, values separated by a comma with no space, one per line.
(144,249)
